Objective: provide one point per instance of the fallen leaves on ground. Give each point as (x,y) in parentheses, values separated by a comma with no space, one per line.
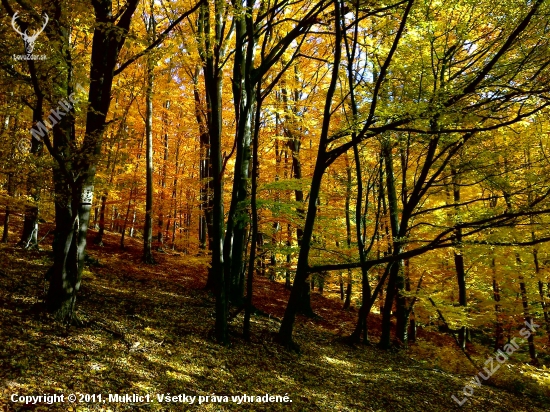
(148,330)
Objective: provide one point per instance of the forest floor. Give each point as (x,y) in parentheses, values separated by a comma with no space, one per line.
(147,329)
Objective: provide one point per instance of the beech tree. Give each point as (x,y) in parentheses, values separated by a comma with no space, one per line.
(461,83)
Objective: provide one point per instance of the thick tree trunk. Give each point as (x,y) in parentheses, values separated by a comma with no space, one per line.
(74,197)
(72,216)
(213,84)
(218,216)
(396,283)
(244,95)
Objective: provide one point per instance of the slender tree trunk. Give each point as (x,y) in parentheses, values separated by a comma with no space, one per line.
(123,233)
(529,320)
(254,210)
(496,297)
(160,227)
(29,235)
(294,143)
(133,221)
(543,302)
(10,187)
(288,284)
(6,225)
(347,301)
(459,255)
(362,325)
(99,238)
(300,278)
(544,308)
(148,229)
(412,326)
(206,174)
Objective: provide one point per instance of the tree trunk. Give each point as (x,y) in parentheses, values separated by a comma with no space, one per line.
(396,282)
(10,187)
(254,210)
(543,302)
(362,323)
(99,237)
(160,227)
(458,254)
(123,234)
(298,291)
(244,97)
(294,144)
(496,297)
(544,308)
(148,229)
(213,84)
(29,235)
(529,320)
(300,278)
(73,205)
(347,301)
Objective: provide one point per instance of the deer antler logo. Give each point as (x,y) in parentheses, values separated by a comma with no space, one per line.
(29,40)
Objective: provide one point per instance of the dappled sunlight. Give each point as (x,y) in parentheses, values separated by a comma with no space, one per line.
(141,335)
